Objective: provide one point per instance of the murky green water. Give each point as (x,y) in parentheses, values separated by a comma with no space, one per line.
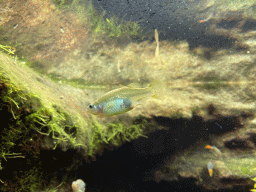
(201,53)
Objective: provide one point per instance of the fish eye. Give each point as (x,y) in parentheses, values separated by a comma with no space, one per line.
(91,106)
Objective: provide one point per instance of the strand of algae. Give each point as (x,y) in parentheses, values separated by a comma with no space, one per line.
(9,49)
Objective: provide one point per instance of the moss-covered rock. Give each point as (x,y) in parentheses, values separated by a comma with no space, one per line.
(39,116)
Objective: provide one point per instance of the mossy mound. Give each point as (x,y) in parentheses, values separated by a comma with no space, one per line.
(40,117)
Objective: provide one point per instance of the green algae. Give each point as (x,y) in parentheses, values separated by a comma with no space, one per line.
(254,186)
(8,49)
(114,135)
(28,118)
(63,3)
(100,25)
(242,166)
(113,26)
(210,82)
(75,82)
(28,113)
(51,117)
(17,131)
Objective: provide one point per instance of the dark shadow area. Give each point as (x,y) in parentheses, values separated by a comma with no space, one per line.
(229,23)
(132,166)
(250,24)
(244,142)
(177,20)
(238,143)
(222,124)
(237,22)
(253,137)
(210,41)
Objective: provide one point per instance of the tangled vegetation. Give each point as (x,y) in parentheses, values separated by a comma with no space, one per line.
(254,187)
(114,135)
(32,125)
(8,49)
(24,130)
(102,24)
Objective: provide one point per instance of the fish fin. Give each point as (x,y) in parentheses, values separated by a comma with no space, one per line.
(137,105)
(132,107)
(134,85)
(158,88)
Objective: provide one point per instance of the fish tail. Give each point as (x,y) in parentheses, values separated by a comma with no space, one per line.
(210,167)
(157,88)
(210,172)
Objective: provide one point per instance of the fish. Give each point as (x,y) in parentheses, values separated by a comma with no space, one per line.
(210,167)
(120,100)
(78,185)
(215,150)
(207,19)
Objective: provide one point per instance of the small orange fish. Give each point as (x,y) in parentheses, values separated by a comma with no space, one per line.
(210,167)
(215,150)
(207,19)
(201,21)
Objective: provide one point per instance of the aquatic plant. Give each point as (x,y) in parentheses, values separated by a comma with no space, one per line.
(16,130)
(210,82)
(244,166)
(75,82)
(66,3)
(254,187)
(115,134)
(112,27)
(24,130)
(100,24)
(8,49)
